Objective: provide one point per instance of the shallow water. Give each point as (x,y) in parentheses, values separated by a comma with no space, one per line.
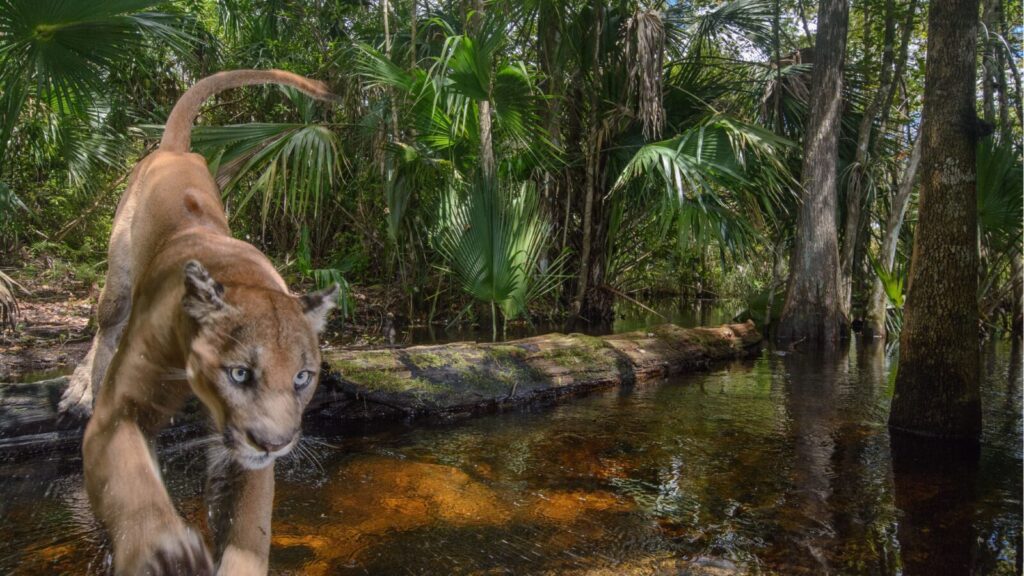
(778,465)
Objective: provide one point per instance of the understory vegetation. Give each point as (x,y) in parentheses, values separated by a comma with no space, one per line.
(496,161)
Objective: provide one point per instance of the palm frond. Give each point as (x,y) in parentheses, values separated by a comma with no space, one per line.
(1000,195)
(749,20)
(495,240)
(8,303)
(61,51)
(713,176)
(324,277)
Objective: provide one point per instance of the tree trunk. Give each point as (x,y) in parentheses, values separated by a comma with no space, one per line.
(874,321)
(466,377)
(487,165)
(413,19)
(812,309)
(989,75)
(899,67)
(486,142)
(385,7)
(937,384)
(592,303)
(778,261)
(855,191)
(1017,308)
(874,324)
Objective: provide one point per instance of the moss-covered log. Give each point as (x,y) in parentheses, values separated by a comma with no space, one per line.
(468,377)
(444,380)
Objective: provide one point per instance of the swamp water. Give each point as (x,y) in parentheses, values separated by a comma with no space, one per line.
(779,465)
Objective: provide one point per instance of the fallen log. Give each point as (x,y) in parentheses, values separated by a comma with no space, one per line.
(439,380)
(463,378)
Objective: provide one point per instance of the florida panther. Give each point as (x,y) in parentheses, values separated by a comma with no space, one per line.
(187,309)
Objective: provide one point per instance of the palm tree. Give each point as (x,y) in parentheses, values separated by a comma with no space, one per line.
(621,75)
(57,60)
(496,242)
(60,55)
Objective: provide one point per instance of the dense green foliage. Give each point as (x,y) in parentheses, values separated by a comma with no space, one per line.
(637,147)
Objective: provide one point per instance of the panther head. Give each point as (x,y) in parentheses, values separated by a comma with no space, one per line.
(254,361)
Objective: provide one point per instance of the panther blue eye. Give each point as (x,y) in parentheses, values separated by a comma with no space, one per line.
(238,374)
(302,379)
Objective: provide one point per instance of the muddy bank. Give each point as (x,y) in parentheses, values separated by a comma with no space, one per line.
(443,381)
(54,335)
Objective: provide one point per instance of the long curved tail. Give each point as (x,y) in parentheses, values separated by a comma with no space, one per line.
(178,131)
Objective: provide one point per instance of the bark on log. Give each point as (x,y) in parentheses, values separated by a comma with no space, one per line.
(440,380)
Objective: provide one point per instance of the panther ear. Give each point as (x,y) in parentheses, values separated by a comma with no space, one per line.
(316,305)
(204,296)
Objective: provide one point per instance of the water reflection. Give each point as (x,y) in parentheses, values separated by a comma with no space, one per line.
(779,466)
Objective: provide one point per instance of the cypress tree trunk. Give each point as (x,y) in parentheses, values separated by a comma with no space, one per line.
(1017,309)
(812,309)
(937,383)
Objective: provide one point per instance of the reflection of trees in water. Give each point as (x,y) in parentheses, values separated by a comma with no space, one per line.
(840,480)
(813,384)
(953,499)
(933,481)
(865,518)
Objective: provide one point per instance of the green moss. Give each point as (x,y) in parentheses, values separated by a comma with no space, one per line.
(424,360)
(591,342)
(377,379)
(363,361)
(489,382)
(387,381)
(588,350)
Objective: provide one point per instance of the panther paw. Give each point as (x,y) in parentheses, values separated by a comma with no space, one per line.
(178,555)
(77,398)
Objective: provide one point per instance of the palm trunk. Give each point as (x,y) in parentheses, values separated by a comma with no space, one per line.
(874,322)
(1016,310)
(778,259)
(856,192)
(413,20)
(937,391)
(593,155)
(487,165)
(386,9)
(989,77)
(812,310)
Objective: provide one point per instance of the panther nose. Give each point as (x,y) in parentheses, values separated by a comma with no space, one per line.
(265,444)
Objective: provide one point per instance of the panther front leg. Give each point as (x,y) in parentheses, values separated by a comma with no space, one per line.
(112,310)
(126,492)
(241,505)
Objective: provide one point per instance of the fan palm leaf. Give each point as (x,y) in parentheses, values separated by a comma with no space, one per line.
(291,166)
(494,241)
(714,177)
(1000,195)
(60,51)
